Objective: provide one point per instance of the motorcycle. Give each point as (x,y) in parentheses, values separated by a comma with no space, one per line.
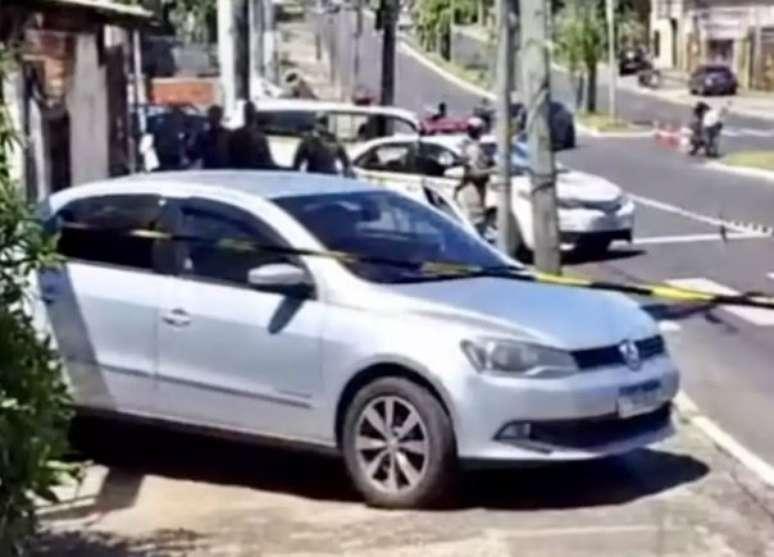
(649,77)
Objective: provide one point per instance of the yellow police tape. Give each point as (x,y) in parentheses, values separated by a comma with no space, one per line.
(661,291)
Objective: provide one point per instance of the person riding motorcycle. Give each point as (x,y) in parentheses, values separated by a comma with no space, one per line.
(697,127)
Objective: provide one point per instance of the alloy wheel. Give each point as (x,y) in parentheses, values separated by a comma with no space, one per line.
(392,444)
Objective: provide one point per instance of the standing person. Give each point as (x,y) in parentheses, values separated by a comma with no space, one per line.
(321,152)
(471,192)
(211,146)
(713,125)
(485,111)
(248,146)
(440,112)
(170,139)
(697,127)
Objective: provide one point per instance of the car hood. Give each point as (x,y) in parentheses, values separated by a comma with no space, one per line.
(564,317)
(582,186)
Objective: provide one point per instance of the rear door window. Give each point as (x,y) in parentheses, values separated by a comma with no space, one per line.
(114,230)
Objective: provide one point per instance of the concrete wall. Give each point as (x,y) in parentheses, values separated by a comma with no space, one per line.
(88,107)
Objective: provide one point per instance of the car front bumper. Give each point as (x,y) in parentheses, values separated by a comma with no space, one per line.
(573,418)
(583,222)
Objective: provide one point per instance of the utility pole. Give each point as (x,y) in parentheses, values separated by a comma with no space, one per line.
(535,17)
(358,35)
(226,55)
(388,8)
(505,221)
(611,61)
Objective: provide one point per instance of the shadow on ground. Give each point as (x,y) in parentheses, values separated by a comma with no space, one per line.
(133,451)
(100,544)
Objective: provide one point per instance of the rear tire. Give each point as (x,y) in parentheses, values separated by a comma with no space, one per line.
(398,445)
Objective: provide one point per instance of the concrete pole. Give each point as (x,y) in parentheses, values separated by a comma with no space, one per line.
(358,35)
(226,55)
(139,100)
(505,222)
(611,58)
(535,15)
(388,54)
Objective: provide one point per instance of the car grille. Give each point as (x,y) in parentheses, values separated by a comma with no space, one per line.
(612,356)
(604,206)
(595,432)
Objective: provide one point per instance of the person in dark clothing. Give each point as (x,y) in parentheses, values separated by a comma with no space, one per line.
(211,146)
(170,140)
(248,146)
(440,113)
(320,152)
(485,111)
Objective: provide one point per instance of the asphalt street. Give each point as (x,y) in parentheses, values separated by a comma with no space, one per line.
(725,354)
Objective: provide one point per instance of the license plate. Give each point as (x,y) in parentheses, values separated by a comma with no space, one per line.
(639,399)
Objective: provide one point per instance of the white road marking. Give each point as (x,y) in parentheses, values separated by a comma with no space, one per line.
(689,214)
(756,316)
(689,238)
(692,415)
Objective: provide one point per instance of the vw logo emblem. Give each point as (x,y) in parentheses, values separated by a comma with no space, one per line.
(631,354)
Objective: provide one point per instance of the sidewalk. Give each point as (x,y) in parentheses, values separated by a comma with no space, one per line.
(163,493)
(297,52)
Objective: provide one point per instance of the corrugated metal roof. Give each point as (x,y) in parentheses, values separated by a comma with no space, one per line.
(105,7)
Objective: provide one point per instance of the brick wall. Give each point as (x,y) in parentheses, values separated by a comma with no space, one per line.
(201,92)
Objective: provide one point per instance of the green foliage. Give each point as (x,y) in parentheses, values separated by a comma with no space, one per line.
(581,42)
(433,18)
(34,403)
(191,18)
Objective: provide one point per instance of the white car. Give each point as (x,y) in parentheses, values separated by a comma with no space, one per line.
(593,211)
(285,121)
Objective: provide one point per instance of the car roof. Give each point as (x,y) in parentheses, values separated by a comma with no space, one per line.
(311,105)
(262,184)
(452,141)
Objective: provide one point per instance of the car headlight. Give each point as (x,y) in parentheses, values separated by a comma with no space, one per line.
(489,355)
(708,81)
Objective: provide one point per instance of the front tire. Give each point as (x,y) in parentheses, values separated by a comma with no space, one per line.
(398,445)
(594,246)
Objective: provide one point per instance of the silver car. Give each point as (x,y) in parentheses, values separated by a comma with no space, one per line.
(201,299)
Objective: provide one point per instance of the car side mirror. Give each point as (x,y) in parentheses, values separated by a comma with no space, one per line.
(456,172)
(284,278)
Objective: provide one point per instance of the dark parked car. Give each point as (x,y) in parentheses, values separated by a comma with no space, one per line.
(561,120)
(713,80)
(631,61)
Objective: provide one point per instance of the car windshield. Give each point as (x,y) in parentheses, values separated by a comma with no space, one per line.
(402,234)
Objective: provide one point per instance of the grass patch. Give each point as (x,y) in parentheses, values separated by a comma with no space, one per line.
(605,123)
(478,77)
(761,160)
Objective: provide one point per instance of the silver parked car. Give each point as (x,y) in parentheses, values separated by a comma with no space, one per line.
(185,299)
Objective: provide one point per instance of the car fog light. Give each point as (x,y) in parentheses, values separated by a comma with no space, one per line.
(515,430)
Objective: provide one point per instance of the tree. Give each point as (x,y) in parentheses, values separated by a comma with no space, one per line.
(433,19)
(580,38)
(34,401)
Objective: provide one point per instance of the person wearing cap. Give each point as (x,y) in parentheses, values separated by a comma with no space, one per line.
(471,192)
(321,152)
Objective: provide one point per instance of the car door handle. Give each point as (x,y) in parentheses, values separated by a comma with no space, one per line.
(177,318)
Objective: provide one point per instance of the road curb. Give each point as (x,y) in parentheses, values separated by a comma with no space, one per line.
(741,171)
(691,415)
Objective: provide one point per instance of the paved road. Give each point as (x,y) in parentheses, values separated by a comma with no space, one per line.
(726,354)
(740,133)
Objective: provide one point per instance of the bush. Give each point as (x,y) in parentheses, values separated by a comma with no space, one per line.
(34,402)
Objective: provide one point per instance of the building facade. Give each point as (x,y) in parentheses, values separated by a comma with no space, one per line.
(69,93)
(737,33)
